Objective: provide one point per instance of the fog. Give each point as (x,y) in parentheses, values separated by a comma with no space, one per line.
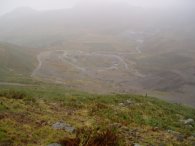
(104,46)
(65,17)
(97,72)
(8,5)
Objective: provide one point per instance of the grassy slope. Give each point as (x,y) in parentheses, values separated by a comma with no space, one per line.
(28,121)
(16,63)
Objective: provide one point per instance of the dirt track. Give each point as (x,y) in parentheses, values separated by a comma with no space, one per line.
(14,84)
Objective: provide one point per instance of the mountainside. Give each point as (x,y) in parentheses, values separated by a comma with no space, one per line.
(43,115)
(118,47)
(88,75)
(15,62)
(40,28)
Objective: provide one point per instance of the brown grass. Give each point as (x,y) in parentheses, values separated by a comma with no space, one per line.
(105,138)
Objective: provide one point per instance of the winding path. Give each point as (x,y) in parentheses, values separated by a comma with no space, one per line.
(64,56)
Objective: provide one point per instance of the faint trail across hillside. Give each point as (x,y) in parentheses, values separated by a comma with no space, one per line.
(15,84)
(40,57)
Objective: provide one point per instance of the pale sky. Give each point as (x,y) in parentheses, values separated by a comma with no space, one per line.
(8,5)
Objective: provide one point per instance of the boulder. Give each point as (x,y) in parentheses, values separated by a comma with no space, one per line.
(63,126)
(188,121)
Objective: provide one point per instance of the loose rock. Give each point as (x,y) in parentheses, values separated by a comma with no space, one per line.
(121,104)
(188,121)
(136,144)
(63,126)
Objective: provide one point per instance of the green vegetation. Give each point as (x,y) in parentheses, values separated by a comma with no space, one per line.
(28,113)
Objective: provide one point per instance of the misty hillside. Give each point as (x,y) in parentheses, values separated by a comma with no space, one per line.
(79,47)
(97,73)
(25,25)
(15,62)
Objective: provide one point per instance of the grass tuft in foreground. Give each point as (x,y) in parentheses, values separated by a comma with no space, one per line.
(88,138)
